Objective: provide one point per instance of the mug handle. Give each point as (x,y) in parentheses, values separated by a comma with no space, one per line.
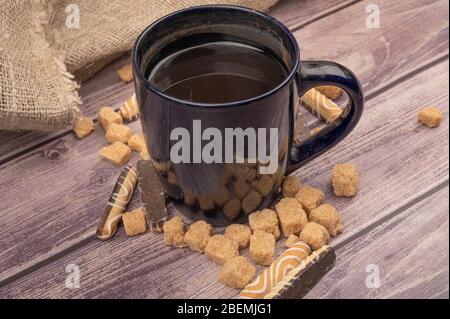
(317,73)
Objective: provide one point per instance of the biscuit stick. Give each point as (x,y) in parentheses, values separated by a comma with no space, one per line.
(152,195)
(320,105)
(298,282)
(129,109)
(117,203)
(290,259)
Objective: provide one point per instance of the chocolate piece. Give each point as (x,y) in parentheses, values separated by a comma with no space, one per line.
(117,203)
(299,281)
(152,195)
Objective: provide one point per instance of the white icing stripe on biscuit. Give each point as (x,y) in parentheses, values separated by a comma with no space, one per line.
(288,260)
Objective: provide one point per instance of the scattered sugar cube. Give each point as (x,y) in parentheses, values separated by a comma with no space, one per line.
(265,220)
(241,188)
(174,232)
(345,180)
(262,247)
(291,240)
(264,185)
(134,222)
(126,73)
(251,202)
(239,233)
(118,153)
(315,235)
(118,133)
(309,197)
(220,249)
(232,209)
(172,178)
(327,216)
(330,91)
(291,215)
(83,127)
(431,116)
(291,185)
(137,143)
(106,116)
(221,197)
(198,235)
(237,272)
(205,202)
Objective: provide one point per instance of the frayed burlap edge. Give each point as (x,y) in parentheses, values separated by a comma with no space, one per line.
(47,9)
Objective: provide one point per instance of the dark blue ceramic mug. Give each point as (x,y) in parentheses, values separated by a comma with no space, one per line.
(222,191)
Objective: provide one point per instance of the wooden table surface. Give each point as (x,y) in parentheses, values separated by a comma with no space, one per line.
(54,187)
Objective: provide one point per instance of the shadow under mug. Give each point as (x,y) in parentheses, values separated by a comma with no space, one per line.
(222,193)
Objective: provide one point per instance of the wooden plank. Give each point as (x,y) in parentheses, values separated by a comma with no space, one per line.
(398,158)
(410,253)
(45,179)
(105,88)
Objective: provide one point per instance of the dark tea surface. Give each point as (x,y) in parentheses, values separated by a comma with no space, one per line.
(218,72)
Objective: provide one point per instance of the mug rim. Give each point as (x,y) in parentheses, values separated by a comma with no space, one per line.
(292,72)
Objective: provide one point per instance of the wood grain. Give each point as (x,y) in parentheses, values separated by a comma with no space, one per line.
(410,252)
(398,159)
(54,196)
(106,89)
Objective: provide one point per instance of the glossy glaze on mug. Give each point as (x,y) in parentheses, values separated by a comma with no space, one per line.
(196,187)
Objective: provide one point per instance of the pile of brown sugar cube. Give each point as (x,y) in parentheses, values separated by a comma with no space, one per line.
(300,214)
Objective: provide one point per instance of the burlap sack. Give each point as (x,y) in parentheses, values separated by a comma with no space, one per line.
(36,91)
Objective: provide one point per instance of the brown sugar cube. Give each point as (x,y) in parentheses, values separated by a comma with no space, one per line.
(241,188)
(189,198)
(239,233)
(237,272)
(345,180)
(315,235)
(265,220)
(198,235)
(137,143)
(327,216)
(220,249)
(291,240)
(118,133)
(232,209)
(262,247)
(134,222)
(291,185)
(243,171)
(126,73)
(83,127)
(144,154)
(205,202)
(106,116)
(221,197)
(174,232)
(251,202)
(431,116)
(172,178)
(118,153)
(309,197)
(330,91)
(291,215)
(264,185)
